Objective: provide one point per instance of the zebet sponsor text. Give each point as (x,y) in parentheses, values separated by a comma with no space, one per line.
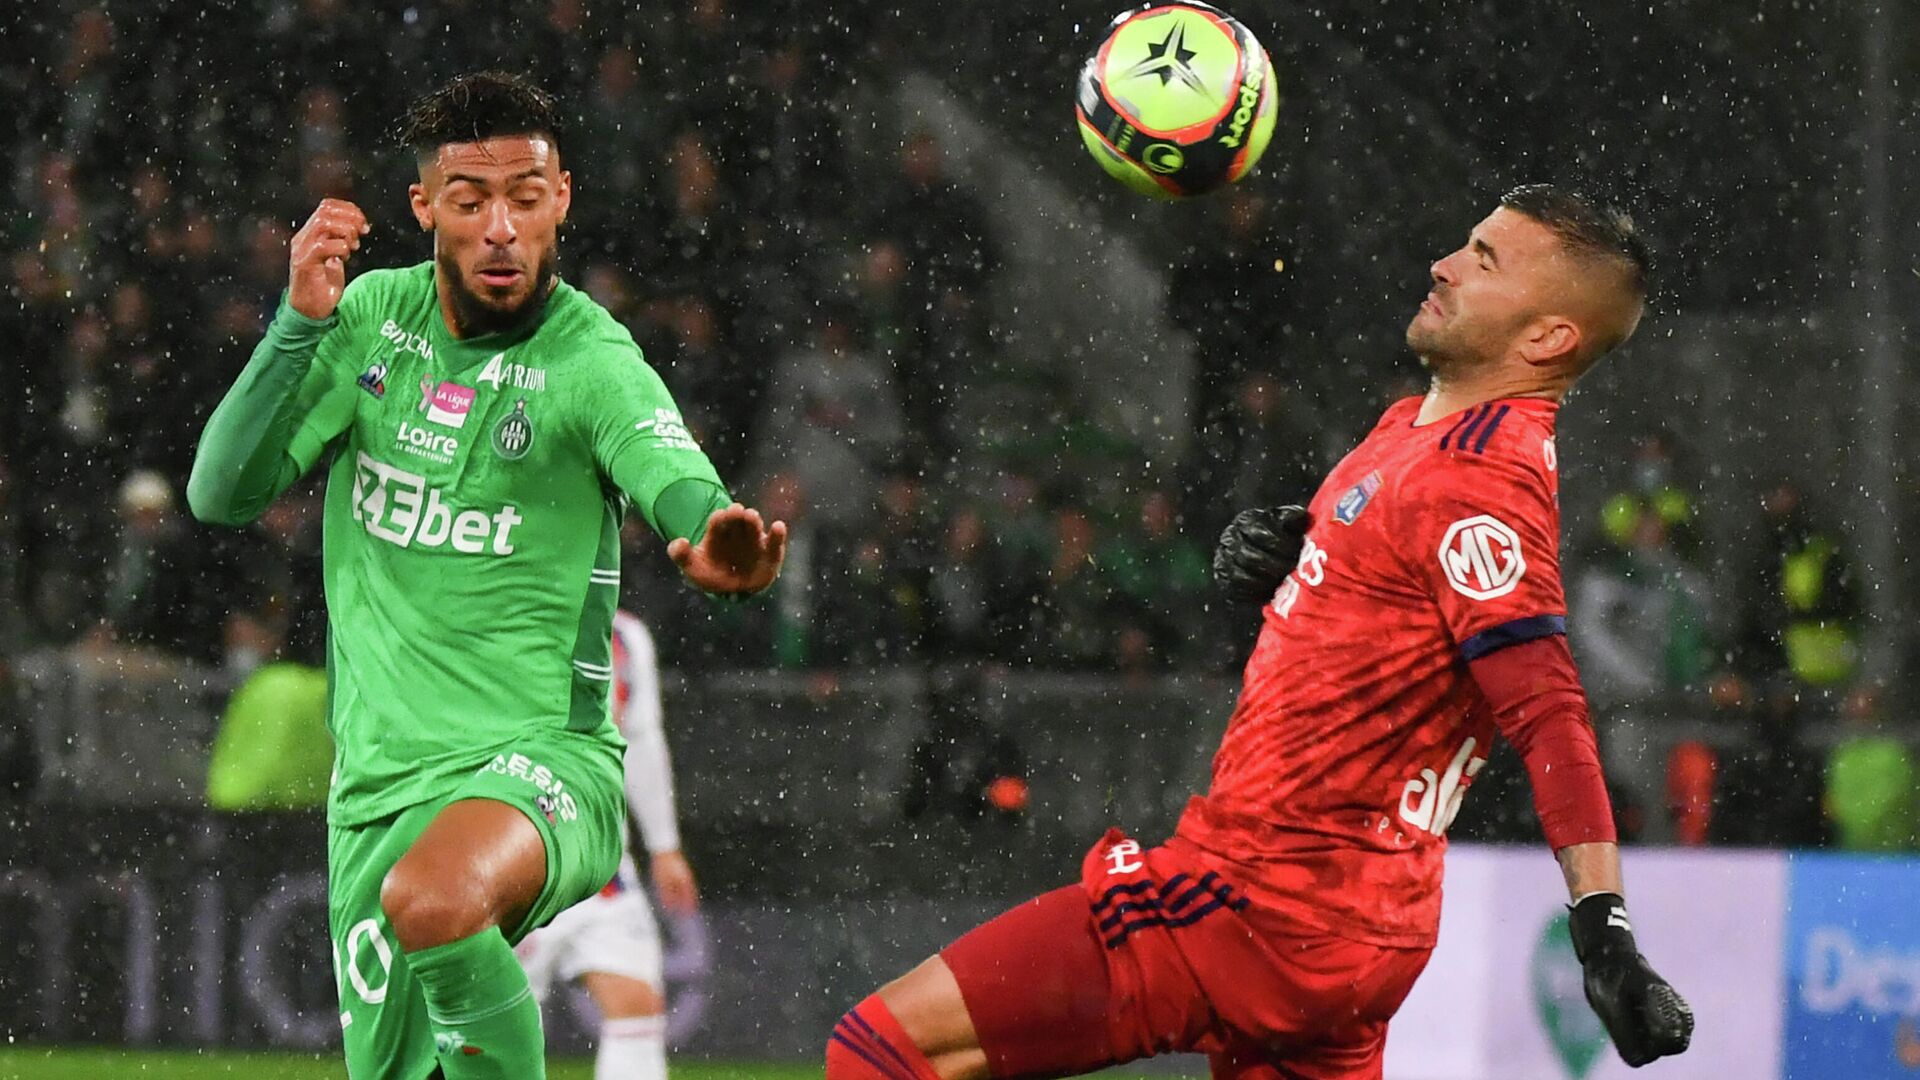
(399,507)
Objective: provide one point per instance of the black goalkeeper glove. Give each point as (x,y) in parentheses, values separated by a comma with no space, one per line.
(1645,1017)
(1259,548)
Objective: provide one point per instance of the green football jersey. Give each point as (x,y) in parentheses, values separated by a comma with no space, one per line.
(472,523)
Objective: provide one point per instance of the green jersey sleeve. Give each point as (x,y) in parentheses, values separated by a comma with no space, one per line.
(643,446)
(290,402)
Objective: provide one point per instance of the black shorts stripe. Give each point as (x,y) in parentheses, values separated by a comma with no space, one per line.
(1136,903)
(1121,911)
(1206,884)
(1118,891)
(1219,894)
(1136,887)
(1173,884)
(1119,938)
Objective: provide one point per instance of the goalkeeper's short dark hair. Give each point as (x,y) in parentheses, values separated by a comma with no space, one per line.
(477,106)
(1586,227)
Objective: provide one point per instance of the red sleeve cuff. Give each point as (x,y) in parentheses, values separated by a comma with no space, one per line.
(1534,691)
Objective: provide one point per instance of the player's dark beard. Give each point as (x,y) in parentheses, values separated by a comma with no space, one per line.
(1438,359)
(1426,348)
(1439,350)
(474,317)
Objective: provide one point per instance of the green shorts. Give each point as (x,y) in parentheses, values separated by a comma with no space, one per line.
(568,785)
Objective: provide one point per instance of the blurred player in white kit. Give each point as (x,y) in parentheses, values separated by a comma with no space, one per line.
(610,942)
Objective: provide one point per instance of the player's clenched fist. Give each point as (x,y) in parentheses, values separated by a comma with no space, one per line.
(317,263)
(1643,1014)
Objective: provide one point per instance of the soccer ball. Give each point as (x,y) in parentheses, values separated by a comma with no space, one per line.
(1177,100)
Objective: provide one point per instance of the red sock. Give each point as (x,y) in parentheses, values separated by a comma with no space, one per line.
(869,1044)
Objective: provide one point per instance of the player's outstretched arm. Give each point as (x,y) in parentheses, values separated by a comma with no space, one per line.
(251,449)
(739,555)
(1534,692)
(1257,550)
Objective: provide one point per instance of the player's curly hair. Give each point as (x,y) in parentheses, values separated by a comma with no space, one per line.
(477,106)
(1586,227)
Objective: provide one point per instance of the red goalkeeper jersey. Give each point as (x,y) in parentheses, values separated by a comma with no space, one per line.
(1358,727)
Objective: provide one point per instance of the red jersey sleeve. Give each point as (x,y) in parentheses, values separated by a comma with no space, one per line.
(1534,692)
(1483,534)
(1485,540)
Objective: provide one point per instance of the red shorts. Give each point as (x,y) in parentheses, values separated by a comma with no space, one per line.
(1153,953)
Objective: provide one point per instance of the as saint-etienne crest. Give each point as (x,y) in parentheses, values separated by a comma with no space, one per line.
(513,435)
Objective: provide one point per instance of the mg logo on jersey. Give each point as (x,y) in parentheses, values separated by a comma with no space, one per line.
(397,506)
(1429,802)
(1481,557)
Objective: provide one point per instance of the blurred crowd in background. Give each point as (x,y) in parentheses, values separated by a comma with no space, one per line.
(808,322)
(806,335)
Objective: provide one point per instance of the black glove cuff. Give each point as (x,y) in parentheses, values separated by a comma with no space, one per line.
(1600,927)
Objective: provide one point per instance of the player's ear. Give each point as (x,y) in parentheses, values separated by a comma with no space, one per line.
(563,195)
(422,206)
(1550,340)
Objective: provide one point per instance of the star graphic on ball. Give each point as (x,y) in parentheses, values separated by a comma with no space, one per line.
(1171,59)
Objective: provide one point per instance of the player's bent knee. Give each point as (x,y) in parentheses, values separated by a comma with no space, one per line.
(425,912)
